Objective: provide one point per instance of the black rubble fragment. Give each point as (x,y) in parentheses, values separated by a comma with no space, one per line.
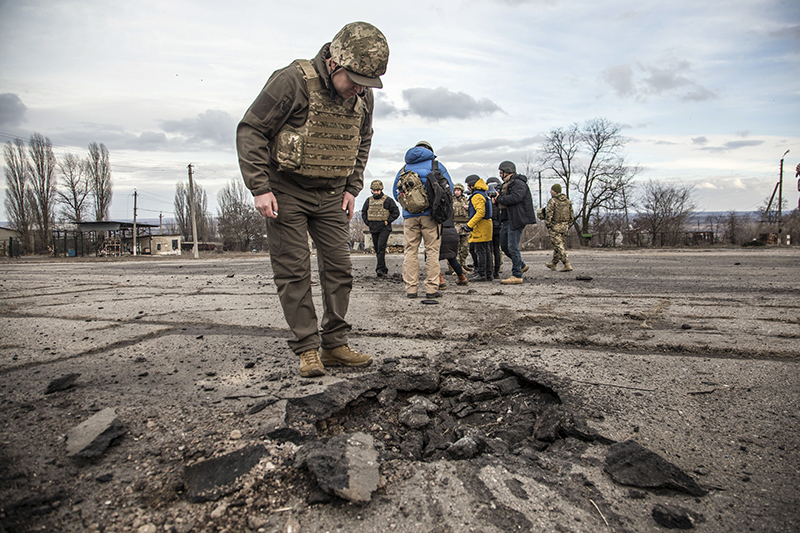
(557,422)
(675,517)
(630,463)
(61,383)
(214,478)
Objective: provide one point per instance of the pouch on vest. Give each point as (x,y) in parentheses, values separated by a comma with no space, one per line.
(411,193)
(288,150)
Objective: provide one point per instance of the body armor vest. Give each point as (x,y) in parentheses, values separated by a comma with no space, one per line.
(562,210)
(461,209)
(376,212)
(326,146)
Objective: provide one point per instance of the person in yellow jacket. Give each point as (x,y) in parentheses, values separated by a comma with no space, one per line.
(479,227)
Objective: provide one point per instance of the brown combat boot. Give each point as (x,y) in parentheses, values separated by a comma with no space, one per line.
(344,356)
(462,280)
(442,282)
(567,267)
(310,364)
(551,266)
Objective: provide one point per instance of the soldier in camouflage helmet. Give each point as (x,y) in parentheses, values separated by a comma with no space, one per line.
(303,145)
(378,212)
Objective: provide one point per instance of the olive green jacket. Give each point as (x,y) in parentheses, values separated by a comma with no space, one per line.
(284,100)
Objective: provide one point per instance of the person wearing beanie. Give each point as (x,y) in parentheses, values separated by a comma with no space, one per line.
(378,212)
(558,218)
(516,212)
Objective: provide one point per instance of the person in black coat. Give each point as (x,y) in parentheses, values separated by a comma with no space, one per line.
(516,212)
(449,251)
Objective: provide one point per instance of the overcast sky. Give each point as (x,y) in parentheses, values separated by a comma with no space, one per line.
(708,93)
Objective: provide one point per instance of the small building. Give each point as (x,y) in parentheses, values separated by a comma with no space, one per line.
(161,244)
(9,242)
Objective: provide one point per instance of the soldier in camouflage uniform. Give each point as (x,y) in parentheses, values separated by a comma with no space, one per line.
(461,217)
(558,218)
(378,212)
(303,145)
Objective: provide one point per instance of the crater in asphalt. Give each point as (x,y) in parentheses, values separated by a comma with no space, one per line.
(456,412)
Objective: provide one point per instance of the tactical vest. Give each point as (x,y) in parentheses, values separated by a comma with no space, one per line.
(562,210)
(461,209)
(376,212)
(326,146)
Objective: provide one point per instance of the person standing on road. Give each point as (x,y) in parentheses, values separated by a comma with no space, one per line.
(460,219)
(419,227)
(479,228)
(558,217)
(378,212)
(497,255)
(516,212)
(305,179)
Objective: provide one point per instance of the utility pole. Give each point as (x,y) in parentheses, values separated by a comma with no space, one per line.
(135,197)
(160,221)
(780,200)
(191,211)
(540,189)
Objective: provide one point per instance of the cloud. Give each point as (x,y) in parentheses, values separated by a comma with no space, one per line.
(210,127)
(12,110)
(743,133)
(700,140)
(383,107)
(733,145)
(640,81)
(442,103)
(787,31)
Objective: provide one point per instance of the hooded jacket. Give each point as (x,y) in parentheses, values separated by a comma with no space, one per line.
(481,226)
(516,204)
(420,160)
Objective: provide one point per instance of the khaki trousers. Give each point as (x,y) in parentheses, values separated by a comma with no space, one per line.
(289,253)
(416,230)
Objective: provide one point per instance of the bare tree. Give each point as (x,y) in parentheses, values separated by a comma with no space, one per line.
(18,197)
(238,221)
(589,161)
(74,195)
(43,186)
(664,208)
(99,172)
(183,212)
(605,175)
(559,152)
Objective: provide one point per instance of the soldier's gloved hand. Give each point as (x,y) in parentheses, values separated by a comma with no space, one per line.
(465,229)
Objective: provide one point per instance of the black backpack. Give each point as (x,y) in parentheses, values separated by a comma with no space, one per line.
(440,195)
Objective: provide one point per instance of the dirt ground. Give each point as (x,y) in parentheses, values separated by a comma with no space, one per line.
(692,353)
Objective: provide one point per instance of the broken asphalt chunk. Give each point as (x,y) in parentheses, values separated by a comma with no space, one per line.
(630,463)
(91,437)
(212,479)
(346,466)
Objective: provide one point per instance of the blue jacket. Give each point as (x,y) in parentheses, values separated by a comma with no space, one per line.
(420,160)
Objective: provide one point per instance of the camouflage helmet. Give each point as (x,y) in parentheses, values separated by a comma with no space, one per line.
(458,186)
(361,49)
(376,185)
